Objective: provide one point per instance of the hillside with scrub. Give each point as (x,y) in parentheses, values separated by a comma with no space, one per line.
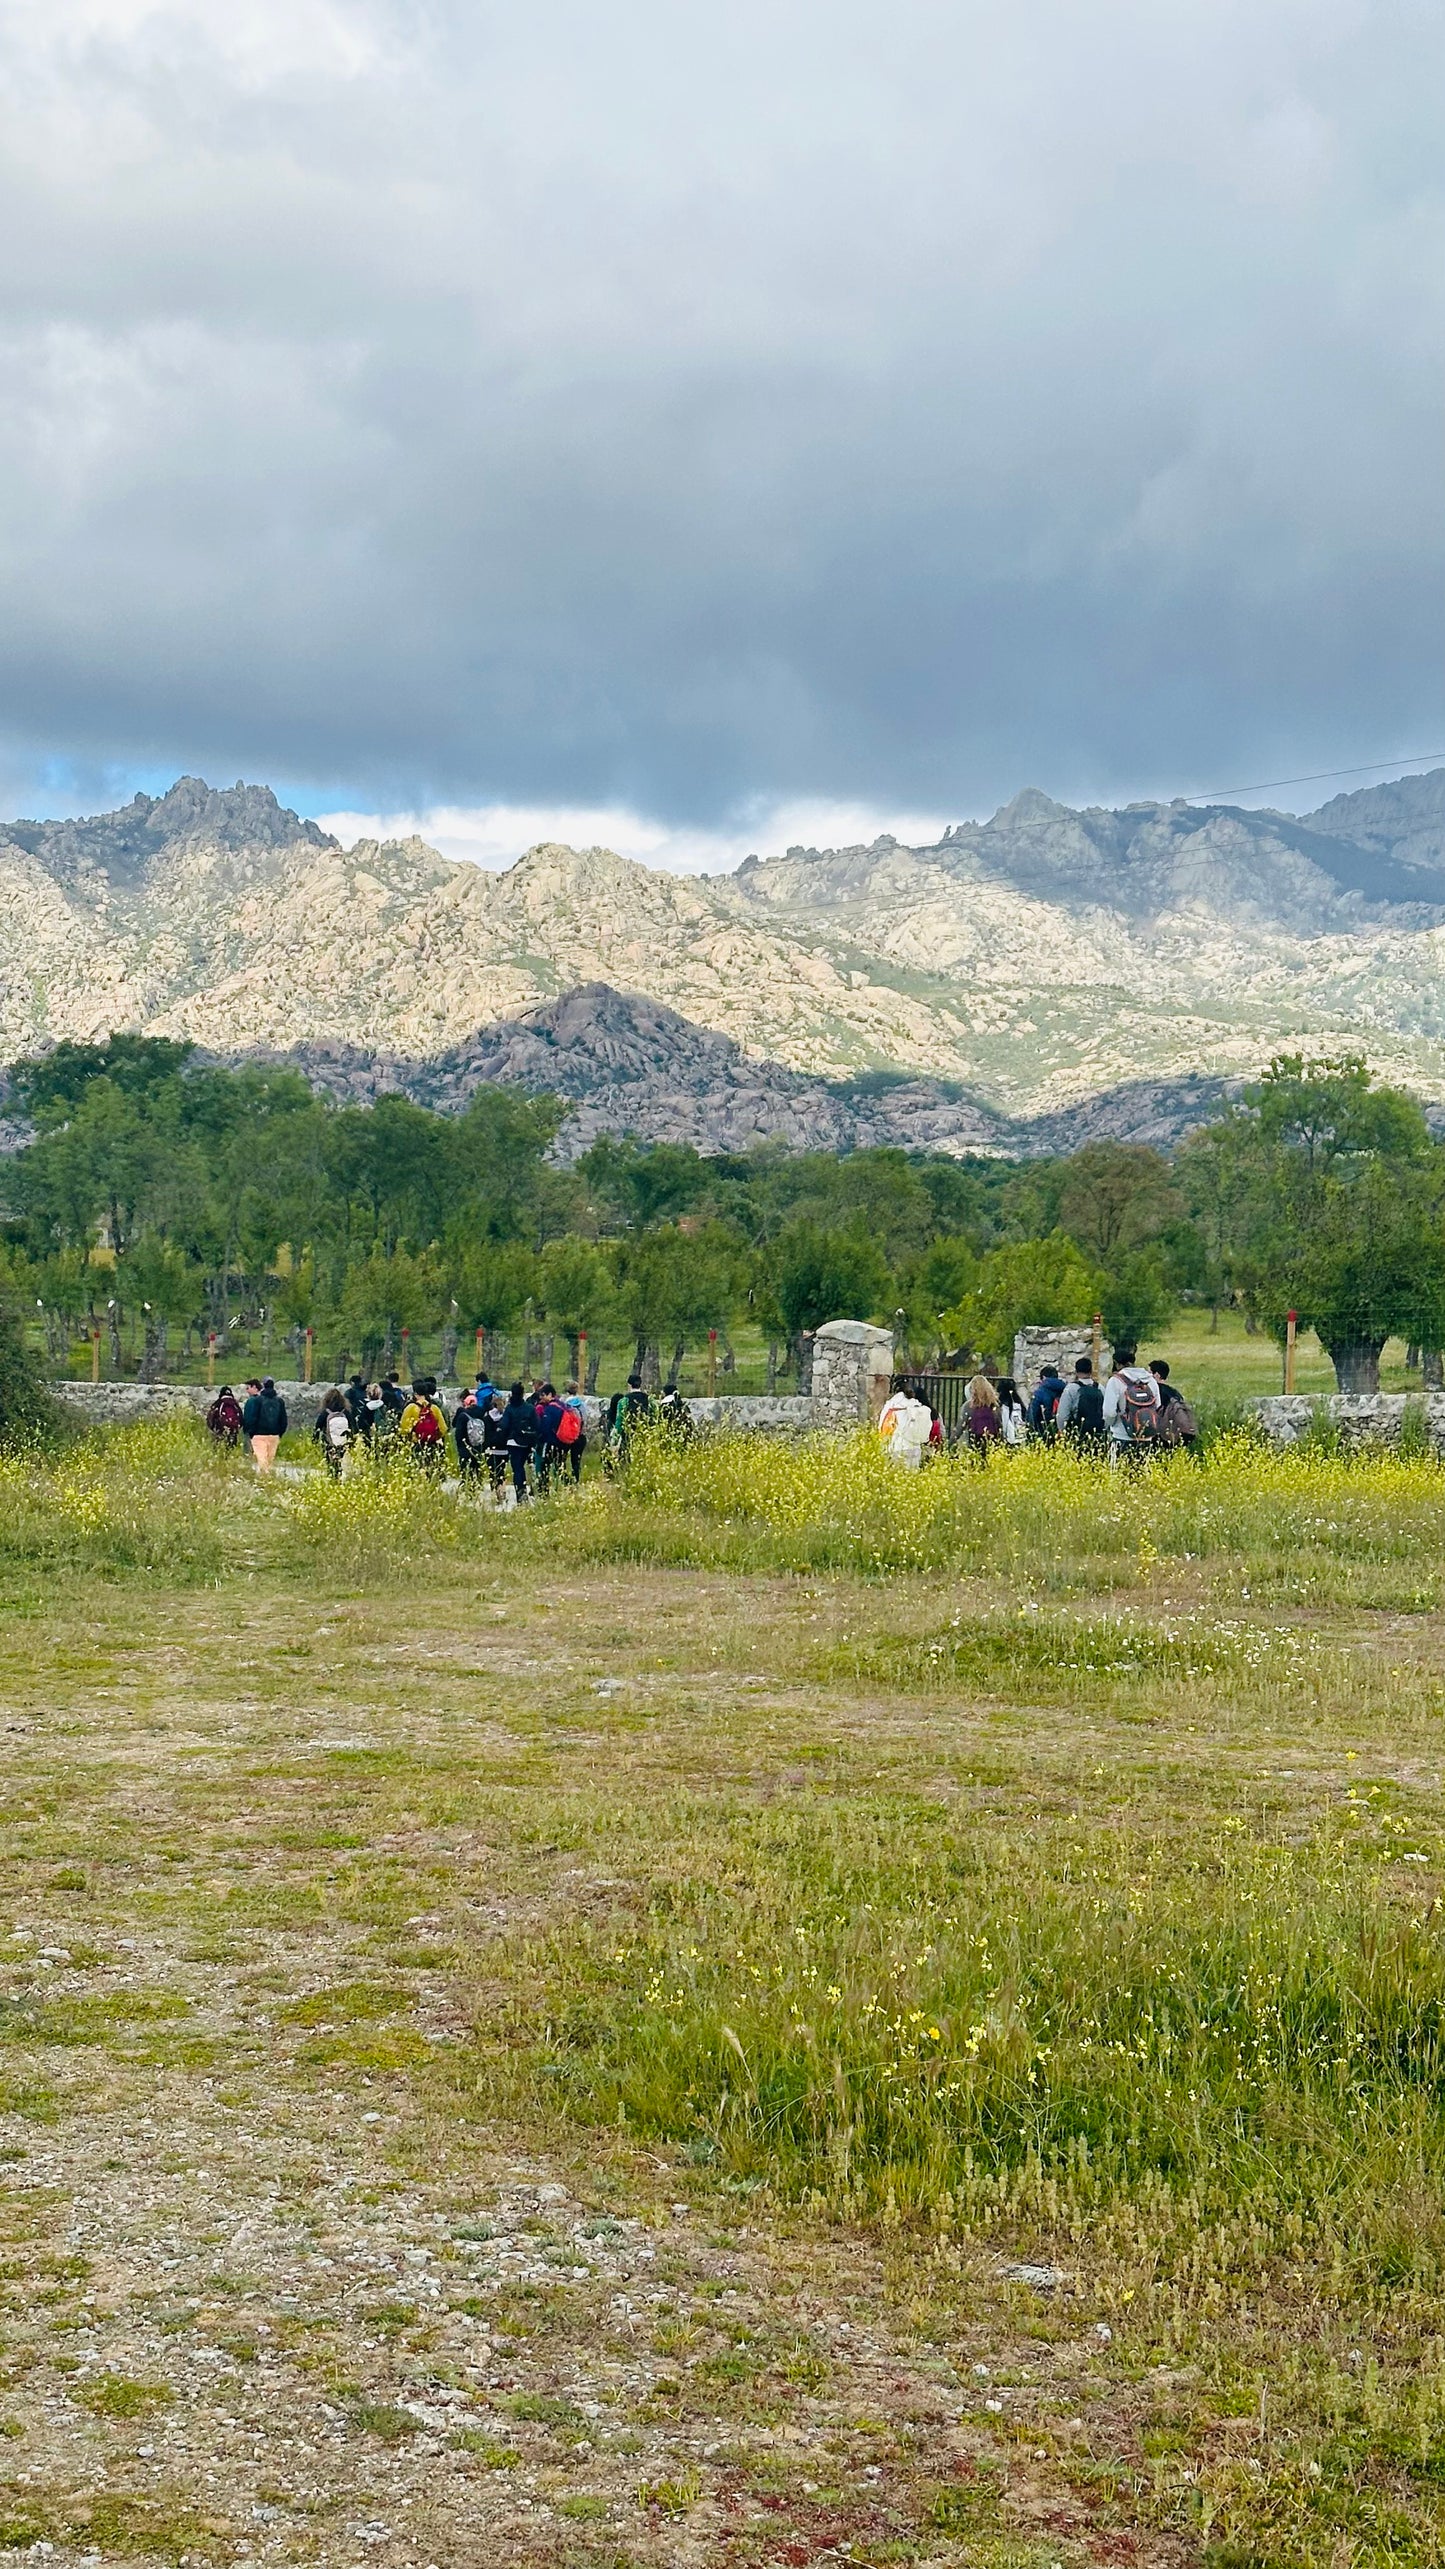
(764,2009)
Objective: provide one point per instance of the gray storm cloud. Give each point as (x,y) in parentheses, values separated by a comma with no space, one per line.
(682,404)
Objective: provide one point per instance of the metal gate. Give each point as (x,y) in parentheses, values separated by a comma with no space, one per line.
(943,1392)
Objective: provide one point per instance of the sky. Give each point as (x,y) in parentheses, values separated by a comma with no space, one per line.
(703,427)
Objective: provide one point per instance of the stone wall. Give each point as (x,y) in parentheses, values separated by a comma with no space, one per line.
(1035,1348)
(1358,1418)
(121,1404)
(852,1371)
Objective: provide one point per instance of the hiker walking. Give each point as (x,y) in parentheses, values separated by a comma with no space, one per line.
(1177,1422)
(626,1412)
(494,1443)
(560,1436)
(905,1425)
(1043,1408)
(674,1417)
(1012,1416)
(985,1426)
(370,1417)
(223,1418)
(333,1431)
(469,1437)
(1131,1408)
(422,1426)
(1079,1417)
(264,1421)
(517,1436)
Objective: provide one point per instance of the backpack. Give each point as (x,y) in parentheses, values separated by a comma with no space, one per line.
(569,1425)
(1140,1409)
(476,1427)
(338,1427)
(1088,1417)
(428,1428)
(1178,1426)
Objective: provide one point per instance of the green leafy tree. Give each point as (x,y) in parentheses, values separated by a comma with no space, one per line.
(673,1285)
(1136,1299)
(1039,1283)
(1332,1201)
(384,1294)
(575,1290)
(1115,1198)
(819,1275)
(492,1284)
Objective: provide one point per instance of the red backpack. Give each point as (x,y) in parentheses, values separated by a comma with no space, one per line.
(569,1425)
(1141,1409)
(428,1429)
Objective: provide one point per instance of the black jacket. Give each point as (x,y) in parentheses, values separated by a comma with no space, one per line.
(519,1424)
(264,1415)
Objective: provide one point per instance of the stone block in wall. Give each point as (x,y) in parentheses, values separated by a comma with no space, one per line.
(852,1371)
(1285,1416)
(1036,1347)
(1367,1418)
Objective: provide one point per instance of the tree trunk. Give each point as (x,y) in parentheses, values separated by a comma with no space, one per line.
(594,1362)
(1432,1369)
(451,1340)
(679,1351)
(1357,1364)
(772,1367)
(153,1356)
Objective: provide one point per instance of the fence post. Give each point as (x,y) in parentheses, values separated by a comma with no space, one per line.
(95,1352)
(210,1359)
(581,1360)
(1289,1338)
(712,1364)
(1098,1344)
(310,1349)
(481,1351)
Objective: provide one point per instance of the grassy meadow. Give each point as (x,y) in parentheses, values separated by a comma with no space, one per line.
(779,2010)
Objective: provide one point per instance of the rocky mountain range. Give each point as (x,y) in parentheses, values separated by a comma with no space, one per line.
(1043,974)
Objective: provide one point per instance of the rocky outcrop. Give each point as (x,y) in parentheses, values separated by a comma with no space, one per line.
(1019,970)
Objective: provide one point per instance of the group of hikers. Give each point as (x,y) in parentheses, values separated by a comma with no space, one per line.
(1137,1410)
(510,1442)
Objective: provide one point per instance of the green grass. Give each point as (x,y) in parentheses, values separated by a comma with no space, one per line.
(905,1875)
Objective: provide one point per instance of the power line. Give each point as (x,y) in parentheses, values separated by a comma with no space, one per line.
(1321,776)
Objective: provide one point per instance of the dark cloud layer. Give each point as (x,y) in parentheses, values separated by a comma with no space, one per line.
(678,405)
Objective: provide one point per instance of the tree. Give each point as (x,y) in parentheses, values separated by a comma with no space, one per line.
(1116,1196)
(820,1275)
(54,1084)
(674,1284)
(575,1290)
(1136,1300)
(1332,1195)
(492,1285)
(385,1294)
(1328,1110)
(1029,1283)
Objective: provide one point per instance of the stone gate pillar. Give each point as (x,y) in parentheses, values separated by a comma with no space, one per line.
(852,1369)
